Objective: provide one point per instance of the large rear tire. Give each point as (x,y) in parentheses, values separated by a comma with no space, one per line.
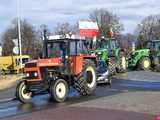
(59,90)
(23,94)
(145,63)
(112,67)
(87,81)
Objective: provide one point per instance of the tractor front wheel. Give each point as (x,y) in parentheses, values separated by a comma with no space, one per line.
(145,63)
(59,90)
(23,94)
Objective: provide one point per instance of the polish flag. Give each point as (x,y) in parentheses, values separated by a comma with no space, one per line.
(88,29)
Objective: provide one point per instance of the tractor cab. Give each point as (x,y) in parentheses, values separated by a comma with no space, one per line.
(65,55)
(154,46)
(110,45)
(108,50)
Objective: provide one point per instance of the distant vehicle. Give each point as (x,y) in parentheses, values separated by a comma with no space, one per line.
(146,58)
(103,74)
(11,64)
(108,50)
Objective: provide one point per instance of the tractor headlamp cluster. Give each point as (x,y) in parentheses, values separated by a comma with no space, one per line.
(27,74)
(35,74)
(31,74)
(99,53)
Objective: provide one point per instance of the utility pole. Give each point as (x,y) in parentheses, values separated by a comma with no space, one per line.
(19,32)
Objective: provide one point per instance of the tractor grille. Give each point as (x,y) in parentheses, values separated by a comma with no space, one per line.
(29,65)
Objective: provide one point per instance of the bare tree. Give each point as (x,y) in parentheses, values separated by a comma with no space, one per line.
(43,28)
(64,28)
(31,44)
(105,21)
(128,39)
(148,29)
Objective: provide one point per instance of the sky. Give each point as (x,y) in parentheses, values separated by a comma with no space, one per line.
(51,12)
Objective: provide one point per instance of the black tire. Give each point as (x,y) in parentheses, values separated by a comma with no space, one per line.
(157,68)
(87,81)
(145,63)
(59,90)
(112,67)
(23,94)
(109,80)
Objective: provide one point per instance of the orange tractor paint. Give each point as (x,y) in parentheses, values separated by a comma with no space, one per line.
(62,66)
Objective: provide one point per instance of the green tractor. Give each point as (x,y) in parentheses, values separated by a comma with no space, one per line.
(109,51)
(147,58)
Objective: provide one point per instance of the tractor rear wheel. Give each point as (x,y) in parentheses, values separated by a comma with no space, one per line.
(23,94)
(112,67)
(87,81)
(59,90)
(145,63)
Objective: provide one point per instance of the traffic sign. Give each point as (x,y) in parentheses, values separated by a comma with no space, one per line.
(15,50)
(15,41)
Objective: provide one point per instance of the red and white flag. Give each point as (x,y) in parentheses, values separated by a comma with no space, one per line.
(88,29)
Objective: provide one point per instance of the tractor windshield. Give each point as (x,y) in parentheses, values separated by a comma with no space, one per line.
(78,47)
(154,46)
(102,44)
(113,44)
(107,44)
(57,49)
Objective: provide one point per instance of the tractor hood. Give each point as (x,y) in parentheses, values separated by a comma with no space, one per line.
(141,52)
(44,62)
(98,51)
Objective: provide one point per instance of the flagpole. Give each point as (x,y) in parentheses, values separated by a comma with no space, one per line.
(19,31)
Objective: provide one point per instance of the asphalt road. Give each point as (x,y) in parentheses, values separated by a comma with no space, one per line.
(43,104)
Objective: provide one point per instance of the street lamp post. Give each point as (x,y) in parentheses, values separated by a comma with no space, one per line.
(19,32)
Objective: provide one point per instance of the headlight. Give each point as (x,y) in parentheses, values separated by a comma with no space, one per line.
(99,53)
(27,74)
(35,74)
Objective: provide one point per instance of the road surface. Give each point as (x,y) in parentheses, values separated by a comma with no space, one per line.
(125,100)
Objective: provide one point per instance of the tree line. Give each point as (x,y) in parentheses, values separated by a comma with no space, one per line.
(147,29)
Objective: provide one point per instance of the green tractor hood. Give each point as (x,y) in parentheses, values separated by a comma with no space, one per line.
(136,55)
(142,52)
(100,52)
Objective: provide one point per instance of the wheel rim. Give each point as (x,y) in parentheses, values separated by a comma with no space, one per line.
(60,90)
(25,94)
(123,63)
(91,78)
(146,64)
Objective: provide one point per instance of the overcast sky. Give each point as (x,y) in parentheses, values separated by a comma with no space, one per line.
(51,12)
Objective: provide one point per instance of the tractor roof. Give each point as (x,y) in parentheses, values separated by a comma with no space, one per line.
(155,41)
(64,40)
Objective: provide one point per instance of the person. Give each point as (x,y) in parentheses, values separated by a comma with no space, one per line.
(63,51)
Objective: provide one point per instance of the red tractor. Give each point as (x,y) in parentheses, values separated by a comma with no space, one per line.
(62,66)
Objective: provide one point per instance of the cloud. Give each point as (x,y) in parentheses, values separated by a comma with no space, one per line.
(51,12)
